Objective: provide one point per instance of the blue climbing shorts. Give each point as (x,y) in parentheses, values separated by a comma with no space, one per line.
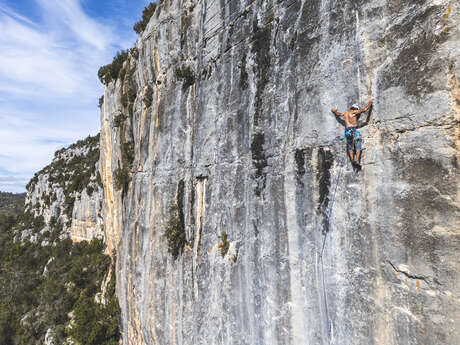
(353,138)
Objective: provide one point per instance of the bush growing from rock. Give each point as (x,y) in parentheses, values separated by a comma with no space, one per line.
(111,71)
(175,234)
(132,93)
(121,177)
(134,52)
(127,151)
(124,100)
(185,73)
(223,245)
(147,13)
(118,120)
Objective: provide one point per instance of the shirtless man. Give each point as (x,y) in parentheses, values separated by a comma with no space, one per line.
(352,135)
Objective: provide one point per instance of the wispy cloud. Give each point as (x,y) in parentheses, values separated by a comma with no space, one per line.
(69,14)
(53,58)
(48,79)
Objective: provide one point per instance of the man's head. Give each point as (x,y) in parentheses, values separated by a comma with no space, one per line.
(354,107)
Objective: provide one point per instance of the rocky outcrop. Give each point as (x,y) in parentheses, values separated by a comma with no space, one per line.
(221,123)
(68,192)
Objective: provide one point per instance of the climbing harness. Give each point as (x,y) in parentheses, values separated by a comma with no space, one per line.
(328,214)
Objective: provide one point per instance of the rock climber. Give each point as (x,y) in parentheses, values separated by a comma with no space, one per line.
(352,136)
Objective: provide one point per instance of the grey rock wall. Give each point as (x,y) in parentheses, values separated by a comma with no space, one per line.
(239,136)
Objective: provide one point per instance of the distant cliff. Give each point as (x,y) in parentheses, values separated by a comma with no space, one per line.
(69,192)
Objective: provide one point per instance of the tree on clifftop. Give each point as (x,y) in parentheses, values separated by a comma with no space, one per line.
(147,13)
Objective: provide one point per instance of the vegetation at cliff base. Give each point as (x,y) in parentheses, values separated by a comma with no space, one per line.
(11,206)
(147,13)
(52,288)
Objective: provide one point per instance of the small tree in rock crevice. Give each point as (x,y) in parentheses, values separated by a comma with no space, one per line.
(175,234)
(121,177)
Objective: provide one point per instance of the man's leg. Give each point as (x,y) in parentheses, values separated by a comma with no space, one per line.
(351,155)
(358,156)
(357,143)
(349,142)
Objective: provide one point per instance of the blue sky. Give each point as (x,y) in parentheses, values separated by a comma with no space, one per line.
(50,51)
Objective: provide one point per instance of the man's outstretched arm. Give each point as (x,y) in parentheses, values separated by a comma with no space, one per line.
(336,113)
(366,108)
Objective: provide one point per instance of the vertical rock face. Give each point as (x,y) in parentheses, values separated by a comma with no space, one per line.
(68,192)
(228,116)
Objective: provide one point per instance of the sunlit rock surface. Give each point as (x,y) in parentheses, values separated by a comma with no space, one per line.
(238,135)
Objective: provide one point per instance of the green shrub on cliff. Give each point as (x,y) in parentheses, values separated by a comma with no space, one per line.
(99,180)
(118,120)
(111,71)
(223,245)
(132,93)
(124,100)
(127,153)
(121,177)
(147,13)
(175,234)
(185,74)
(27,220)
(134,52)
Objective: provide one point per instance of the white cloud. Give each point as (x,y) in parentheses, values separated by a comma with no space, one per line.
(48,79)
(58,57)
(15,15)
(69,14)
(31,142)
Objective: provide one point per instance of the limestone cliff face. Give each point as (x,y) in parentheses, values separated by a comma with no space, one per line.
(223,114)
(68,192)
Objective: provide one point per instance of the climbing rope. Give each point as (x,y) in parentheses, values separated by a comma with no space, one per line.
(325,301)
(328,214)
